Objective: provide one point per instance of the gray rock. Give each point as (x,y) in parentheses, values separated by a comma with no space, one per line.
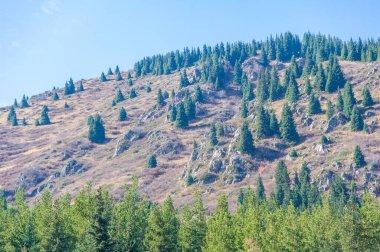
(320,148)
(335,121)
(369,114)
(30,178)
(124,142)
(71,168)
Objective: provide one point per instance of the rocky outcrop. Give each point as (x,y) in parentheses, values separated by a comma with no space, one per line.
(71,168)
(163,143)
(30,178)
(320,148)
(125,142)
(238,168)
(335,121)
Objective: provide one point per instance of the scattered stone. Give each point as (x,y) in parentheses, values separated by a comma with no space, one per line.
(124,142)
(71,168)
(335,121)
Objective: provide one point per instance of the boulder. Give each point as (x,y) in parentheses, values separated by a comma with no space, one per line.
(71,168)
(320,148)
(335,121)
(30,178)
(124,142)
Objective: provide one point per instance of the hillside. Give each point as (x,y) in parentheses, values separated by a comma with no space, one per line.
(59,157)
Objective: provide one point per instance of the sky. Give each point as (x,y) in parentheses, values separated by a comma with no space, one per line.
(45,42)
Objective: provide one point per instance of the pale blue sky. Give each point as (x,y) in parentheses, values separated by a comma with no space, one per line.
(45,42)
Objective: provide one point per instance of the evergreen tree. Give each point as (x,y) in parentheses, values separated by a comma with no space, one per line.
(117,70)
(305,189)
(273,124)
(348,99)
(80,88)
(173,113)
(282,189)
(335,78)
(148,89)
(118,77)
(274,88)
(11,114)
(264,57)
(66,106)
(358,158)
(338,195)
(24,102)
(181,118)
(14,120)
(357,122)
(96,130)
(220,130)
(262,123)
(339,102)
(119,96)
(160,98)
(166,94)
(288,128)
(130,82)
(320,79)
(37,122)
(213,138)
(109,72)
(172,94)
(246,140)
(15,104)
(45,120)
(238,73)
(198,96)
(152,161)
(122,114)
(294,67)
(244,110)
(129,76)
(308,88)
(184,81)
(103,77)
(292,92)
(133,93)
(55,97)
(24,122)
(367,98)
(260,191)
(330,110)
(314,106)
(190,107)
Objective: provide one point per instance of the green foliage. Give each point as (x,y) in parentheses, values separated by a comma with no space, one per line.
(122,114)
(367,98)
(132,93)
(55,97)
(320,79)
(282,189)
(148,89)
(152,161)
(160,98)
(244,110)
(324,140)
(213,138)
(339,102)
(292,92)
(273,124)
(109,72)
(69,87)
(293,153)
(11,114)
(357,122)
(246,140)
(45,120)
(220,130)
(24,102)
(190,107)
(96,130)
(130,82)
(335,78)
(118,77)
(24,122)
(308,88)
(103,77)
(198,96)
(15,104)
(181,118)
(358,158)
(238,72)
(287,126)
(329,110)
(348,99)
(260,191)
(80,88)
(173,113)
(119,97)
(184,81)
(262,123)
(314,106)
(66,106)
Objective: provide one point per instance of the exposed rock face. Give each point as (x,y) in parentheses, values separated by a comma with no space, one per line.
(325,178)
(71,168)
(320,148)
(162,143)
(30,178)
(238,168)
(335,121)
(125,141)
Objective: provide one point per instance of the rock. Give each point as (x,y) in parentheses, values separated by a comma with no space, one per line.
(306,120)
(325,178)
(319,148)
(225,115)
(346,176)
(367,177)
(162,143)
(71,168)
(199,109)
(335,121)
(30,178)
(215,165)
(238,168)
(208,178)
(369,114)
(124,142)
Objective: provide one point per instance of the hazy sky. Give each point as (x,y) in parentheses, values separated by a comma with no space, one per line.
(45,42)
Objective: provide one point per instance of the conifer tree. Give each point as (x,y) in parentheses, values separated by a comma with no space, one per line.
(24,102)
(264,57)
(80,88)
(37,122)
(160,98)
(262,122)
(118,77)
(357,122)
(367,98)
(117,70)
(320,79)
(335,79)
(184,81)
(130,82)
(260,191)
(246,140)
(122,114)
(148,89)
(238,72)
(308,88)
(213,138)
(172,94)
(294,66)
(24,122)
(305,186)
(314,106)
(338,195)
(247,90)
(66,106)
(181,118)
(329,110)
(190,107)
(96,130)
(129,76)
(282,190)
(339,102)
(288,128)
(348,99)
(14,120)
(220,130)
(119,96)
(15,104)
(166,94)
(152,161)
(11,114)
(244,110)
(292,92)
(173,113)
(55,97)
(103,77)
(274,87)
(198,96)
(109,72)
(358,158)
(273,124)
(45,120)
(133,93)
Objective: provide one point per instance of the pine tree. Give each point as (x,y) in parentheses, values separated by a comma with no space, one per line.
(220,130)
(274,87)
(358,158)
(260,191)
(80,88)
(119,96)
(122,114)
(246,140)
(320,79)
(198,96)
(244,110)
(339,102)
(181,118)
(11,114)
(292,92)
(166,94)
(55,97)
(172,94)
(273,124)
(288,128)
(118,77)
(357,122)
(66,106)
(282,190)
(160,98)
(129,76)
(15,104)
(109,72)
(152,161)
(213,138)
(305,186)
(367,98)
(117,70)
(130,82)
(45,120)
(335,79)
(294,67)
(14,120)
(103,77)
(329,110)
(96,130)
(238,72)
(308,88)
(173,113)
(262,123)
(24,102)
(190,107)
(314,106)
(133,93)
(148,89)
(184,81)
(264,57)
(348,99)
